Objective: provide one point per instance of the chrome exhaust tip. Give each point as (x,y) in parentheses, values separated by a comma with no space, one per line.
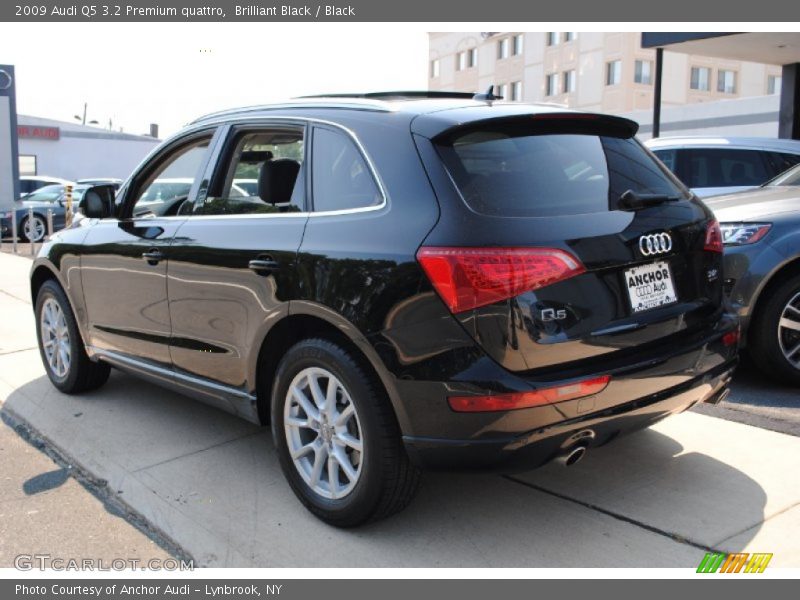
(572,456)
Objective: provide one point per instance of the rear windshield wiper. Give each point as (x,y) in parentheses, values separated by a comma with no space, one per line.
(632,200)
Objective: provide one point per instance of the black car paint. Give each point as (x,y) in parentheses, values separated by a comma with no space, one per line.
(357,272)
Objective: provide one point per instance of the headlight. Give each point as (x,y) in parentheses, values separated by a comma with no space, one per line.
(739,234)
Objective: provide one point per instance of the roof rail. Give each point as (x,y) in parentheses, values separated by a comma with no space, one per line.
(398,95)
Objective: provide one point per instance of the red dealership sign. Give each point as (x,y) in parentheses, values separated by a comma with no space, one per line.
(39,133)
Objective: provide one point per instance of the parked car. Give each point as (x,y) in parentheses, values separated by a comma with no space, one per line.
(51,197)
(31,183)
(444,282)
(112,181)
(711,166)
(761,232)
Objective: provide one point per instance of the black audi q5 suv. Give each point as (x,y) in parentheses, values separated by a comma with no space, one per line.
(398,281)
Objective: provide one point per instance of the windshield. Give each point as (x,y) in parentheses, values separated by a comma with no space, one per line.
(50,193)
(790,177)
(503,173)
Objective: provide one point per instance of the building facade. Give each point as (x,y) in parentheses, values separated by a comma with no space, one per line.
(72,151)
(605,72)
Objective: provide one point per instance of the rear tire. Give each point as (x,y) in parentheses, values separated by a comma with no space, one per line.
(774,336)
(358,428)
(60,344)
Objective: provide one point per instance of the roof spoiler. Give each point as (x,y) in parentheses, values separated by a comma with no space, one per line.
(548,123)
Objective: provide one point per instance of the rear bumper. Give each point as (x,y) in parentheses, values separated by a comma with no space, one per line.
(540,446)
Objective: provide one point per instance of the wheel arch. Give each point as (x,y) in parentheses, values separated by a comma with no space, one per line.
(44,271)
(306,320)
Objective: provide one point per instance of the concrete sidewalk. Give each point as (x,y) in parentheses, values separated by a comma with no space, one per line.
(211,483)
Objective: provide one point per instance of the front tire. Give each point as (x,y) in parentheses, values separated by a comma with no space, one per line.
(60,345)
(775,333)
(337,438)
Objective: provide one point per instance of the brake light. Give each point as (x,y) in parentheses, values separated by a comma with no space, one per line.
(468,278)
(518,400)
(713,241)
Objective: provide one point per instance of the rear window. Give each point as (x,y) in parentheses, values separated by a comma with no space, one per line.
(503,173)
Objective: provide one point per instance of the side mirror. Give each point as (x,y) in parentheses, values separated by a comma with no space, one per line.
(98,202)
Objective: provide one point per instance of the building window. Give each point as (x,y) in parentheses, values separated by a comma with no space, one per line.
(701,77)
(501,90)
(516,91)
(461,61)
(516,48)
(27,164)
(552,38)
(434,68)
(568,81)
(774,84)
(643,72)
(613,72)
(569,36)
(472,57)
(502,48)
(551,88)
(726,81)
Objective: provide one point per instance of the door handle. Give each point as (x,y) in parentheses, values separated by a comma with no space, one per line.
(263,266)
(153,257)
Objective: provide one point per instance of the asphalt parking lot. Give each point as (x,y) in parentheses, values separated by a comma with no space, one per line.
(206,485)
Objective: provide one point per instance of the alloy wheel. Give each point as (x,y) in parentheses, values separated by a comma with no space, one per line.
(34,229)
(55,338)
(323,433)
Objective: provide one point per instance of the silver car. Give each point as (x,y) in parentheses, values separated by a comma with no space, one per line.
(722,165)
(761,234)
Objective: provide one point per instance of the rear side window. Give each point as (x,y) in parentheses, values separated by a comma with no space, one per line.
(501,173)
(723,167)
(341,179)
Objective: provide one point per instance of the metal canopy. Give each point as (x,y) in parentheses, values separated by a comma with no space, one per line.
(763,47)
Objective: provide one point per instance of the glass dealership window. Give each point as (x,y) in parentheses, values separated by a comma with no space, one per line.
(700,79)
(726,81)
(613,72)
(643,72)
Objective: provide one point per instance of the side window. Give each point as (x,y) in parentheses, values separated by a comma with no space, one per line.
(165,191)
(722,167)
(340,176)
(260,172)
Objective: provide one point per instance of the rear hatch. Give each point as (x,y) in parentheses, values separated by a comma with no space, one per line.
(563,240)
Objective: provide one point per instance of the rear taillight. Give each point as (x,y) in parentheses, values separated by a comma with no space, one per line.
(518,400)
(467,278)
(713,241)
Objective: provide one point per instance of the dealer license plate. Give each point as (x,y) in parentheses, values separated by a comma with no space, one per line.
(650,286)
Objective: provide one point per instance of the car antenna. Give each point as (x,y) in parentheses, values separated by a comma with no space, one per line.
(488,96)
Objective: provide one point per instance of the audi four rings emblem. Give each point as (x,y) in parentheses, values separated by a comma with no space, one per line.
(655,243)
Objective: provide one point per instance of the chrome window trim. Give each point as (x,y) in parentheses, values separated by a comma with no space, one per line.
(256,121)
